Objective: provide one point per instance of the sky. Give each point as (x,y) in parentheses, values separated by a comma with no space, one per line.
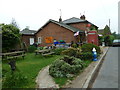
(35,13)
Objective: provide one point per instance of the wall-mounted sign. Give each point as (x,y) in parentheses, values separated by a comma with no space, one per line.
(49,39)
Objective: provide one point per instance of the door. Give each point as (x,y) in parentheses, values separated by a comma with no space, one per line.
(31,41)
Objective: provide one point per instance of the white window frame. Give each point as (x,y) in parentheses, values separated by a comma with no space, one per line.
(39,40)
(32,40)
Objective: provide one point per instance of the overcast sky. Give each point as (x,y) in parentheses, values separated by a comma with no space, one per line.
(35,13)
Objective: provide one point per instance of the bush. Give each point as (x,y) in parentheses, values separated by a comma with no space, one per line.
(108,40)
(101,39)
(31,48)
(59,50)
(14,80)
(65,67)
(70,52)
(86,56)
(39,48)
(88,48)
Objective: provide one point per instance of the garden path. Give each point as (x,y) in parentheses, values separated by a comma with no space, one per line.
(44,80)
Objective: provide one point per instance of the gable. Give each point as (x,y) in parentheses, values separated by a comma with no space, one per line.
(51,28)
(68,27)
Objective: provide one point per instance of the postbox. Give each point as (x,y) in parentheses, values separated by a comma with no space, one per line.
(92,37)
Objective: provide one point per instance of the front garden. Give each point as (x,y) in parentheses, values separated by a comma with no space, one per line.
(65,65)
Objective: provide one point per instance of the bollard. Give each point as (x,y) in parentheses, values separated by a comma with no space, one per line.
(12,65)
(94,54)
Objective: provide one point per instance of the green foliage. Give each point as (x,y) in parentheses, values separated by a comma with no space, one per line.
(107,30)
(39,48)
(60,81)
(15,80)
(92,28)
(74,45)
(101,39)
(108,40)
(86,56)
(66,67)
(58,50)
(10,37)
(88,48)
(70,52)
(116,36)
(30,67)
(31,48)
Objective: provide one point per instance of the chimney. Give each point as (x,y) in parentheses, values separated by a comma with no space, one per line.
(82,17)
(60,19)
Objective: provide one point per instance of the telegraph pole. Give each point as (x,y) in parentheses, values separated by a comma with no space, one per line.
(109,23)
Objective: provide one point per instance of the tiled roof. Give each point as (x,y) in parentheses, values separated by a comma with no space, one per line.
(73,20)
(28,32)
(101,31)
(76,20)
(73,29)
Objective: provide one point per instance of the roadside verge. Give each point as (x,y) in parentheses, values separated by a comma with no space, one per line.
(95,70)
(86,77)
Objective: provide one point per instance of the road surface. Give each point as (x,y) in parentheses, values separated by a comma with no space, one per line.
(108,74)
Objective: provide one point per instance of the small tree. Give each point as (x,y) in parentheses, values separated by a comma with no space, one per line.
(10,37)
(108,39)
(14,23)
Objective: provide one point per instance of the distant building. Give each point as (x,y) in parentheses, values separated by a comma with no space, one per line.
(28,36)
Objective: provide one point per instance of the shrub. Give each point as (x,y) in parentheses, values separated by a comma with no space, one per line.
(101,39)
(65,67)
(59,50)
(70,52)
(14,80)
(88,48)
(86,56)
(74,45)
(39,48)
(31,48)
(108,40)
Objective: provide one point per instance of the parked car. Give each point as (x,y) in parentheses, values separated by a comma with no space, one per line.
(116,42)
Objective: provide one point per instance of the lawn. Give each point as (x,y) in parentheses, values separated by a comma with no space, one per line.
(30,66)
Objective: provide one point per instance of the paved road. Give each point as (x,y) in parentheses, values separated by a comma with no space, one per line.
(108,75)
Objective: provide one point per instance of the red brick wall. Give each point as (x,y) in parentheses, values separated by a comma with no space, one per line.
(81,26)
(26,39)
(55,31)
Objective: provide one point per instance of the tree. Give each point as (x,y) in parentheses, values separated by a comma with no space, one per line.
(108,39)
(10,37)
(14,23)
(117,36)
(107,30)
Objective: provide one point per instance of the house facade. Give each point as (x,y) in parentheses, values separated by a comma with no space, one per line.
(54,30)
(28,36)
(62,30)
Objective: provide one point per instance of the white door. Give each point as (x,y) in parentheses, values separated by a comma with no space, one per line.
(31,41)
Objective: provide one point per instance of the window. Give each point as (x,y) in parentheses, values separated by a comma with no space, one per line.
(31,41)
(39,40)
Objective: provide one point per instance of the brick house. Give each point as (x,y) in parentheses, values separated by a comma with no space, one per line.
(28,36)
(63,30)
